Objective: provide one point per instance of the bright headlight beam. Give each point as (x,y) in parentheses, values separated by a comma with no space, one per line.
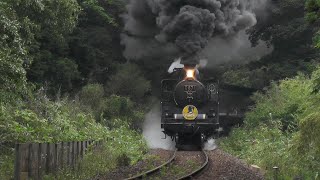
(190,73)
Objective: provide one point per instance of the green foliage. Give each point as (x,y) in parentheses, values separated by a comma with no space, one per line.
(312,15)
(53,20)
(237,77)
(62,53)
(95,6)
(129,82)
(92,95)
(113,111)
(122,147)
(36,31)
(127,141)
(42,120)
(316,81)
(283,27)
(309,135)
(91,98)
(59,73)
(267,147)
(283,129)
(6,161)
(116,107)
(95,162)
(13,76)
(283,102)
(312,7)
(12,51)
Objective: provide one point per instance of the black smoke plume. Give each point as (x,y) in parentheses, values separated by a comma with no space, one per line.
(182,28)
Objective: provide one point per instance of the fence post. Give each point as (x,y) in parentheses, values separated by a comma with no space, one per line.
(33,164)
(61,155)
(21,162)
(82,149)
(58,156)
(17,162)
(72,155)
(51,158)
(79,150)
(75,154)
(43,159)
(69,149)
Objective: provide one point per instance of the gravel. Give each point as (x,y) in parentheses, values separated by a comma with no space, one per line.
(223,166)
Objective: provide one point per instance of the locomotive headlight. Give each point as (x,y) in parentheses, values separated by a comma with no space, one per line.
(190,73)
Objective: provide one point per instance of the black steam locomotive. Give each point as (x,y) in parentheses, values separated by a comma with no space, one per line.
(191,108)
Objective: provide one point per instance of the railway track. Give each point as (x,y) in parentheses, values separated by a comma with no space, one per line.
(150,173)
(199,170)
(157,169)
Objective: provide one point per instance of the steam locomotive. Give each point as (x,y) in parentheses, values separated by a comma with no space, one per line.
(191,108)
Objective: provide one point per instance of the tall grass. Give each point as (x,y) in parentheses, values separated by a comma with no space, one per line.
(282,130)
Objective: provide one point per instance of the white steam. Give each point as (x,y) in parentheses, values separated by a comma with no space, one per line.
(175,64)
(153,133)
(210,145)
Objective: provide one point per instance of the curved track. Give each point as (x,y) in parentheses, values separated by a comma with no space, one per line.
(199,170)
(157,169)
(152,171)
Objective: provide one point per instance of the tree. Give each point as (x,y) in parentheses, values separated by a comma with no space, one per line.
(12,53)
(285,28)
(95,43)
(128,81)
(45,28)
(312,10)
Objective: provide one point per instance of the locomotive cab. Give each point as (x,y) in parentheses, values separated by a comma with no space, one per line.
(190,107)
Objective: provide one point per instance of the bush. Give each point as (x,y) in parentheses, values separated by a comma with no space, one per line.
(267,147)
(283,102)
(129,82)
(42,120)
(12,54)
(119,110)
(6,161)
(116,106)
(123,146)
(92,95)
(307,140)
(283,129)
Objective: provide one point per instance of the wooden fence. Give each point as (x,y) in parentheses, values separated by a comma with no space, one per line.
(34,160)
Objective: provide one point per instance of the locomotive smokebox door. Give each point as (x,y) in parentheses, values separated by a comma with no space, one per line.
(189,92)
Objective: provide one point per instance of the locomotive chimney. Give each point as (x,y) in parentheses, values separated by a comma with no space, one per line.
(190,61)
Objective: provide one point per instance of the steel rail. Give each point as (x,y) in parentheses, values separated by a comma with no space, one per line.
(147,173)
(197,171)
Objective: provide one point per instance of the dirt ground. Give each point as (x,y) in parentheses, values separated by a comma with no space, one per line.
(223,166)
